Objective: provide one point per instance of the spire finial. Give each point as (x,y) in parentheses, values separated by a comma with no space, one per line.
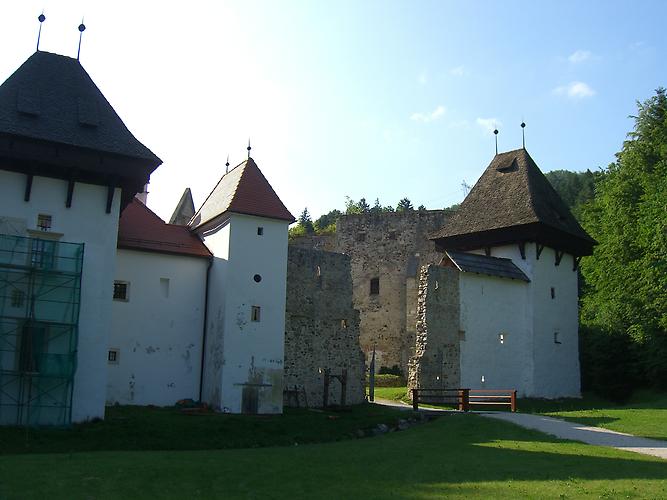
(495,132)
(523,133)
(82,28)
(227,165)
(41,19)
(248,148)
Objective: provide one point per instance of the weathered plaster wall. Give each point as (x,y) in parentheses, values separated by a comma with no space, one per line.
(86,221)
(322,326)
(390,247)
(436,361)
(158,330)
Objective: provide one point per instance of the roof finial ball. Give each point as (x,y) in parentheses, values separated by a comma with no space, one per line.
(41,19)
(227,165)
(248,148)
(523,134)
(82,28)
(495,132)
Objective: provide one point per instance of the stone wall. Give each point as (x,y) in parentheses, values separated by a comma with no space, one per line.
(321,327)
(390,247)
(436,362)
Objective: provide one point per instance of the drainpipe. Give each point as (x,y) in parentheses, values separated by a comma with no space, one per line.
(203,336)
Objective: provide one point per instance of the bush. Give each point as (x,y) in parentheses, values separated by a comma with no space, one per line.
(389,380)
(394,370)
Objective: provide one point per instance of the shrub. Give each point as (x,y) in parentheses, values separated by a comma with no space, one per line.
(389,380)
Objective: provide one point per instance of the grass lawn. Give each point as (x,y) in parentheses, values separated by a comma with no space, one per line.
(392,394)
(458,456)
(153,428)
(645,414)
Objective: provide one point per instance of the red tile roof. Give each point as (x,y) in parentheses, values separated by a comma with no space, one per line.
(141,229)
(243,190)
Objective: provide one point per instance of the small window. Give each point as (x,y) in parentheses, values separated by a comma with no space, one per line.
(361,237)
(18,297)
(112,356)
(42,253)
(375,286)
(255,313)
(502,337)
(462,335)
(553,293)
(164,287)
(343,324)
(557,338)
(44,222)
(121,290)
(260,231)
(257,278)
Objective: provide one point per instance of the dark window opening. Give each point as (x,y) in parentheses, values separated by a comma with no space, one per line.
(44,222)
(113,356)
(18,297)
(260,231)
(42,253)
(120,290)
(553,293)
(255,313)
(375,286)
(257,278)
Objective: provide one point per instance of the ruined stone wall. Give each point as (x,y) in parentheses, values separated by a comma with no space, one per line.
(436,362)
(321,327)
(390,247)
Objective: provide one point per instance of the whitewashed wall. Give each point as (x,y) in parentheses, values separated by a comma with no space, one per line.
(252,351)
(85,222)
(158,332)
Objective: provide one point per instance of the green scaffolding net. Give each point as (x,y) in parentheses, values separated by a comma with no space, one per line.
(40,292)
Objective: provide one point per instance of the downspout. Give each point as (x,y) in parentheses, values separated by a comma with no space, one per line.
(203,336)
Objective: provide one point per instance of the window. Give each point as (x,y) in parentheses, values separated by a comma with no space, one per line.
(255,313)
(164,287)
(257,278)
(112,356)
(553,293)
(343,324)
(121,290)
(18,297)
(42,253)
(375,286)
(260,231)
(44,222)
(557,338)
(462,335)
(502,337)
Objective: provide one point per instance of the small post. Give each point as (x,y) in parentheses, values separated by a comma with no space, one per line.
(415,399)
(343,388)
(513,400)
(371,378)
(464,403)
(325,396)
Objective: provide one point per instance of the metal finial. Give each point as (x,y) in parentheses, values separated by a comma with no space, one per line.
(248,148)
(523,134)
(82,28)
(41,19)
(495,132)
(227,165)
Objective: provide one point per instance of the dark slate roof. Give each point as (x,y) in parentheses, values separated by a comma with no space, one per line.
(481,264)
(140,228)
(184,210)
(51,97)
(243,190)
(513,201)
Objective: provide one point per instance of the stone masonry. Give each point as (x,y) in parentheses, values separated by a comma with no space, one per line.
(321,327)
(389,248)
(436,362)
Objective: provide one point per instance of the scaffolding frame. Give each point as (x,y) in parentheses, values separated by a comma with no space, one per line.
(40,297)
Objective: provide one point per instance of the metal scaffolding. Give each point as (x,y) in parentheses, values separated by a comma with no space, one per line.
(40,292)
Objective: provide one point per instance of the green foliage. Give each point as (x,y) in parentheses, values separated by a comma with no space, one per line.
(450,210)
(327,223)
(626,291)
(306,222)
(404,205)
(393,370)
(389,380)
(574,188)
(296,232)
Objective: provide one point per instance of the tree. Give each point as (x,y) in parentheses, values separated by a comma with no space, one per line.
(305,222)
(360,207)
(327,223)
(404,205)
(574,188)
(626,277)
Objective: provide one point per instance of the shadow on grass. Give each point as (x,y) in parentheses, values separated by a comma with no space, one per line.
(448,455)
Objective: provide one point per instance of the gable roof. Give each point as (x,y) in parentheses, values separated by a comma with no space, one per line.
(482,264)
(51,97)
(511,202)
(140,228)
(184,210)
(242,190)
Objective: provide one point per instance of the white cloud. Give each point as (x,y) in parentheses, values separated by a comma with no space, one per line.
(489,124)
(579,56)
(428,116)
(575,90)
(457,71)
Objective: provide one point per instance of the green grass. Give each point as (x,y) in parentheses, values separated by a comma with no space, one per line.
(645,414)
(458,456)
(392,394)
(152,428)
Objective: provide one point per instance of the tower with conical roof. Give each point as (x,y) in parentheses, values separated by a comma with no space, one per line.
(68,165)
(511,254)
(244,223)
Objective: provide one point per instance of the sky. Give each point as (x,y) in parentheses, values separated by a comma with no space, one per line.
(376,99)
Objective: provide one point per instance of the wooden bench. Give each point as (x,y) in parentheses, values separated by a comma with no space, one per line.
(463,399)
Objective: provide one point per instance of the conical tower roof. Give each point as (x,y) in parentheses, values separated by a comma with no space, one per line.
(242,190)
(184,210)
(513,202)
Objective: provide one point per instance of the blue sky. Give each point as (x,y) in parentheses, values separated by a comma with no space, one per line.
(375,99)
